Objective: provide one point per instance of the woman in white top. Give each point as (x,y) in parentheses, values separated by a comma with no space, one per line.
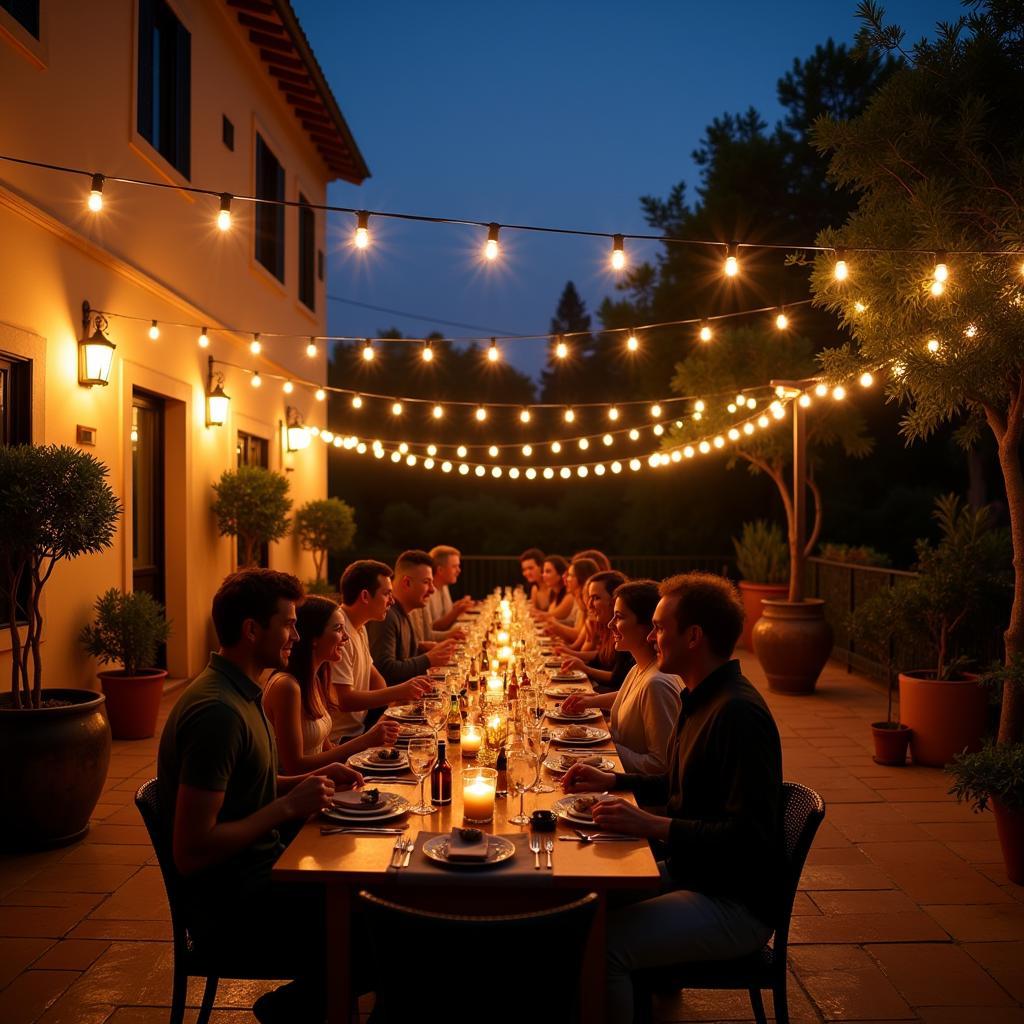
(296,701)
(645,710)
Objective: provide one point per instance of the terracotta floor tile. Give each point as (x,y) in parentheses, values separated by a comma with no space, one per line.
(17,954)
(29,995)
(924,853)
(828,835)
(141,898)
(17,869)
(811,958)
(938,974)
(125,816)
(913,926)
(923,813)
(996,871)
(996,923)
(843,876)
(83,877)
(696,1005)
(82,902)
(38,922)
(855,994)
(102,811)
(135,835)
(71,955)
(881,832)
(981,829)
(867,813)
(924,794)
(108,853)
(911,777)
(964,1014)
(143,931)
(944,883)
(885,901)
(855,793)
(848,854)
(794,760)
(803,904)
(981,852)
(1004,961)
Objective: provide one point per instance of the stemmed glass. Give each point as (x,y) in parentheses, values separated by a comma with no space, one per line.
(422,752)
(435,711)
(522,767)
(536,741)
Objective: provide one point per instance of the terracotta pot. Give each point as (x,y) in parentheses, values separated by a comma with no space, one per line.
(752,595)
(946,716)
(891,739)
(792,641)
(53,763)
(133,702)
(1010,826)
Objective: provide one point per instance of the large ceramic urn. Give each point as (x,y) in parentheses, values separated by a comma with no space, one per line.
(792,640)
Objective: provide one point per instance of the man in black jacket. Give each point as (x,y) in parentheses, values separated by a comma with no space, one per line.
(721,828)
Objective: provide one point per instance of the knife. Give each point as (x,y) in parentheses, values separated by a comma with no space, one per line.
(334,830)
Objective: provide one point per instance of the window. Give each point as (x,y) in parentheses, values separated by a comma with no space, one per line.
(269,217)
(165,80)
(15,428)
(228,132)
(307,251)
(252,450)
(25,13)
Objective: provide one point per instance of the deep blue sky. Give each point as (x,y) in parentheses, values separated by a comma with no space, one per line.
(562,112)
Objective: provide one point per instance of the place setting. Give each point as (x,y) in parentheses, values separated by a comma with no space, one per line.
(556,714)
(383,760)
(560,763)
(364,811)
(582,735)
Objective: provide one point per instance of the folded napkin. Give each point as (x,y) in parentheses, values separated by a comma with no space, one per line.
(462,848)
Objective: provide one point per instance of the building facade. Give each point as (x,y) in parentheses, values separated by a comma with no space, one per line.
(224,95)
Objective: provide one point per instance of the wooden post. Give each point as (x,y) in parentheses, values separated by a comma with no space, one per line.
(796,560)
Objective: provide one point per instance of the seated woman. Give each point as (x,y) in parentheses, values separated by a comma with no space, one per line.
(606,667)
(296,701)
(603,562)
(645,710)
(573,632)
(560,601)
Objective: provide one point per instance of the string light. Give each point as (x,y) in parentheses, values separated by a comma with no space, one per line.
(658,430)
(618,252)
(95,200)
(821,390)
(556,447)
(613,414)
(859,307)
(432,450)
(569,416)
(655,410)
(257,380)
(357,401)
(933,345)
(368,352)
(493,353)
(634,434)
(481,413)
(841,271)
(204,339)
(699,405)
(805,400)
(437,412)
(427,353)
(287,387)
(311,349)
(154,331)
(396,408)
(705,333)
(256,346)
(524,416)
(461,451)
(839,392)
(491,247)
(320,394)
(361,239)
(782,321)
(493,451)
(608,440)
(866,379)
(941,271)
(527,451)
(632,343)
(561,349)
(732,262)
(224,213)
(583,443)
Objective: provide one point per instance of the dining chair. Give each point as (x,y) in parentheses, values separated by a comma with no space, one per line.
(189,961)
(477,964)
(803,810)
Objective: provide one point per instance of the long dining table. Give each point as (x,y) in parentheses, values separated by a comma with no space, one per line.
(345,863)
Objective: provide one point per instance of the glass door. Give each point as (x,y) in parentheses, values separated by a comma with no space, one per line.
(148,556)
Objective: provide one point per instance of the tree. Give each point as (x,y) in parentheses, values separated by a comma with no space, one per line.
(325,527)
(935,163)
(252,503)
(561,379)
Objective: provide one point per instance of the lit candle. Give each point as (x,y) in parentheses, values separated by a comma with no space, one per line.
(471,738)
(478,788)
(503,637)
(505,654)
(494,686)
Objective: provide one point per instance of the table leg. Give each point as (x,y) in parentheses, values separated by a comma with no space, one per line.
(338,953)
(592,982)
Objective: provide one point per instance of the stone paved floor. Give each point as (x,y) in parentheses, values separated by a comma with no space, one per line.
(905,911)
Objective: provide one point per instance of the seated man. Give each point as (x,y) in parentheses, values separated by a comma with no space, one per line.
(722,826)
(356,684)
(531,561)
(443,613)
(218,783)
(393,642)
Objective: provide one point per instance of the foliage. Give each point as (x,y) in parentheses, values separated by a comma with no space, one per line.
(761,553)
(128,630)
(936,163)
(854,554)
(959,583)
(321,587)
(997,770)
(56,504)
(252,503)
(325,527)
(561,380)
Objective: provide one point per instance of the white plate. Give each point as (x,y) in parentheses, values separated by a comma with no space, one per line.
(593,736)
(584,716)
(499,849)
(553,764)
(563,808)
(405,713)
(384,805)
(573,676)
(398,808)
(561,692)
(362,759)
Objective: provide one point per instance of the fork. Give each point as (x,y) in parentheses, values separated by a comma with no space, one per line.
(409,847)
(548,848)
(535,850)
(396,852)
(601,837)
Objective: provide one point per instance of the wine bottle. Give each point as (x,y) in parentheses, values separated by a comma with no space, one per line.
(501,765)
(512,694)
(454,725)
(441,777)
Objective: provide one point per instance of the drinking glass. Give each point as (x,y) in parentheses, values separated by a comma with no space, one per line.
(522,770)
(435,711)
(541,743)
(422,752)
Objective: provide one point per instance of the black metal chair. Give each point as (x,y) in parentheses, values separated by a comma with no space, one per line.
(482,964)
(189,961)
(803,811)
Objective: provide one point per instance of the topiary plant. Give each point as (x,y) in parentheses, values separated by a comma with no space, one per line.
(128,630)
(762,554)
(252,504)
(325,527)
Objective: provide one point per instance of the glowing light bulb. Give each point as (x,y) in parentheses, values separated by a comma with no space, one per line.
(565,472)
(396,457)
(703,447)
(634,434)
(654,461)
(634,464)
(463,469)
(705,332)
(256,346)
(732,263)
(698,416)
(583,443)
(311,350)
(513,473)
(655,410)
(437,412)
(548,472)
(938,287)
(95,200)
(428,353)
(493,353)
(357,402)
(762,421)
(479,470)
(256,380)
(616,468)
(461,451)
(493,451)
(613,413)
(821,390)
(731,407)
(446,467)
(204,339)
(859,307)
(320,395)
(410,460)
(734,434)
(481,414)
(841,270)
(866,379)
(361,448)
(561,349)
(337,442)
(699,405)
(582,471)
(556,447)
(154,331)
(941,271)
(618,252)
(839,392)
(527,450)
(748,428)
(608,440)
(659,430)
(741,400)
(396,408)
(599,469)
(677,456)
(287,387)
(632,343)
(805,400)
(403,448)
(224,213)
(782,321)
(531,473)
(970,331)
(431,450)
(569,416)
(525,416)
(361,239)
(326,436)
(491,247)
(688,451)
(368,351)
(428,463)
(933,345)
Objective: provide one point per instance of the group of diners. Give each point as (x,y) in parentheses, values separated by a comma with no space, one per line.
(259,741)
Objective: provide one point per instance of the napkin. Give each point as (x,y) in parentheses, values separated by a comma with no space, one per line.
(460,848)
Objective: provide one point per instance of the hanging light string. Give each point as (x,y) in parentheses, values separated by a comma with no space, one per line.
(362,237)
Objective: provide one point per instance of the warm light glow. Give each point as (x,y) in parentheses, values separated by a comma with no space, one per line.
(731,407)
(732,263)
(841,271)
(719,442)
(361,240)
(357,402)
(933,345)
(437,412)
(699,405)
(706,333)
(427,353)
(311,350)
(481,413)
(859,307)
(410,460)
(446,467)
(821,390)
(561,350)
(583,443)
(734,434)
(782,321)
(368,352)
(224,213)
(634,464)
(970,331)
(154,331)
(431,449)
(741,400)
(659,429)
(320,394)
(616,468)
(493,353)
(525,416)
(396,408)
(479,470)
(463,469)
(493,451)
(287,387)
(655,411)
(688,451)
(326,436)
(256,380)
(866,379)
(654,461)
(255,346)
(608,440)
(613,413)
(937,288)
(428,463)
(95,200)
(569,416)
(461,451)
(634,434)
(396,457)
(527,450)
(748,428)
(618,252)
(805,400)
(632,343)
(599,470)
(403,448)
(491,247)
(704,447)
(941,271)
(698,416)
(548,472)
(556,447)
(531,473)
(839,392)
(204,339)
(565,472)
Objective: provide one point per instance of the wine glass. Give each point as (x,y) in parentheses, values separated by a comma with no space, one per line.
(540,743)
(422,752)
(435,711)
(522,762)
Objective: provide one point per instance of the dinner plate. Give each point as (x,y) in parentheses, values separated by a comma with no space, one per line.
(346,803)
(593,735)
(405,713)
(552,664)
(563,809)
(573,676)
(584,716)
(362,759)
(499,849)
(564,691)
(397,808)
(554,764)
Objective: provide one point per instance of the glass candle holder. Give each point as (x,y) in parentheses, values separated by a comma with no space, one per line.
(472,737)
(478,788)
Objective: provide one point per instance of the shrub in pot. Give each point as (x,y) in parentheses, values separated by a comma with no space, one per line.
(762,557)
(128,630)
(325,527)
(54,742)
(252,504)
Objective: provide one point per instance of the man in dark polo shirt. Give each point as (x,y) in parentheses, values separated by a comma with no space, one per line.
(218,783)
(722,827)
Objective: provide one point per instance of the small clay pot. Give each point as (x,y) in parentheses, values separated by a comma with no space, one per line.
(891,741)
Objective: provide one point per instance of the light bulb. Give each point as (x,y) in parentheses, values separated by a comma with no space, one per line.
(634,464)
(704,447)
(569,416)
(479,470)
(613,413)
(224,213)
(204,339)
(95,200)
(361,448)
(608,440)
(731,407)
(782,321)
(427,353)
(431,450)
(338,442)
(256,346)
(658,430)
(463,469)
(361,240)
(256,380)
(805,400)
(311,350)
(839,392)
(933,345)
(970,331)
(513,473)
(357,402)
(677,456)
(403,448)
(632,343)
(368,352)
(859,307)
(741,400)
(634,434)
(699,405)
(618,252)
(655,410)
(527,450)
(732,263)
(154,331)
(461,451)
(287,387)
(320,395)
(841,271)
(493,353)
(493,451)
(762,421)
(582,471)
(410,460)
(583,443)
(396,457)
(599,470)
(821,390)
(705,332)
(941,271)
(481,414)
(428,463)
(561,350)
(654,461)
(548,472)
(734,434)
(396,408)
(565,472)
(491,247)
(937,288)
(697,416)
(531,473)
(556,447)
(524,416)
(496,472)
(748,428)
(446,467)
(437,412)
(326,436)
(616,468)
(688,451)
(866,379)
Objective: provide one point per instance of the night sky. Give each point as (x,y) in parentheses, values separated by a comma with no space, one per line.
(559,113)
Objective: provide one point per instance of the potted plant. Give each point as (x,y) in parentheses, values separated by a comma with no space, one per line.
(762,558)
(128,630)
(54,742)
(325,527)
(252,504)
(959,582)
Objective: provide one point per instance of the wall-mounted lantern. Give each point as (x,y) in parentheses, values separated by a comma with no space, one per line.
(216,398)
(297,435)
(95,351)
